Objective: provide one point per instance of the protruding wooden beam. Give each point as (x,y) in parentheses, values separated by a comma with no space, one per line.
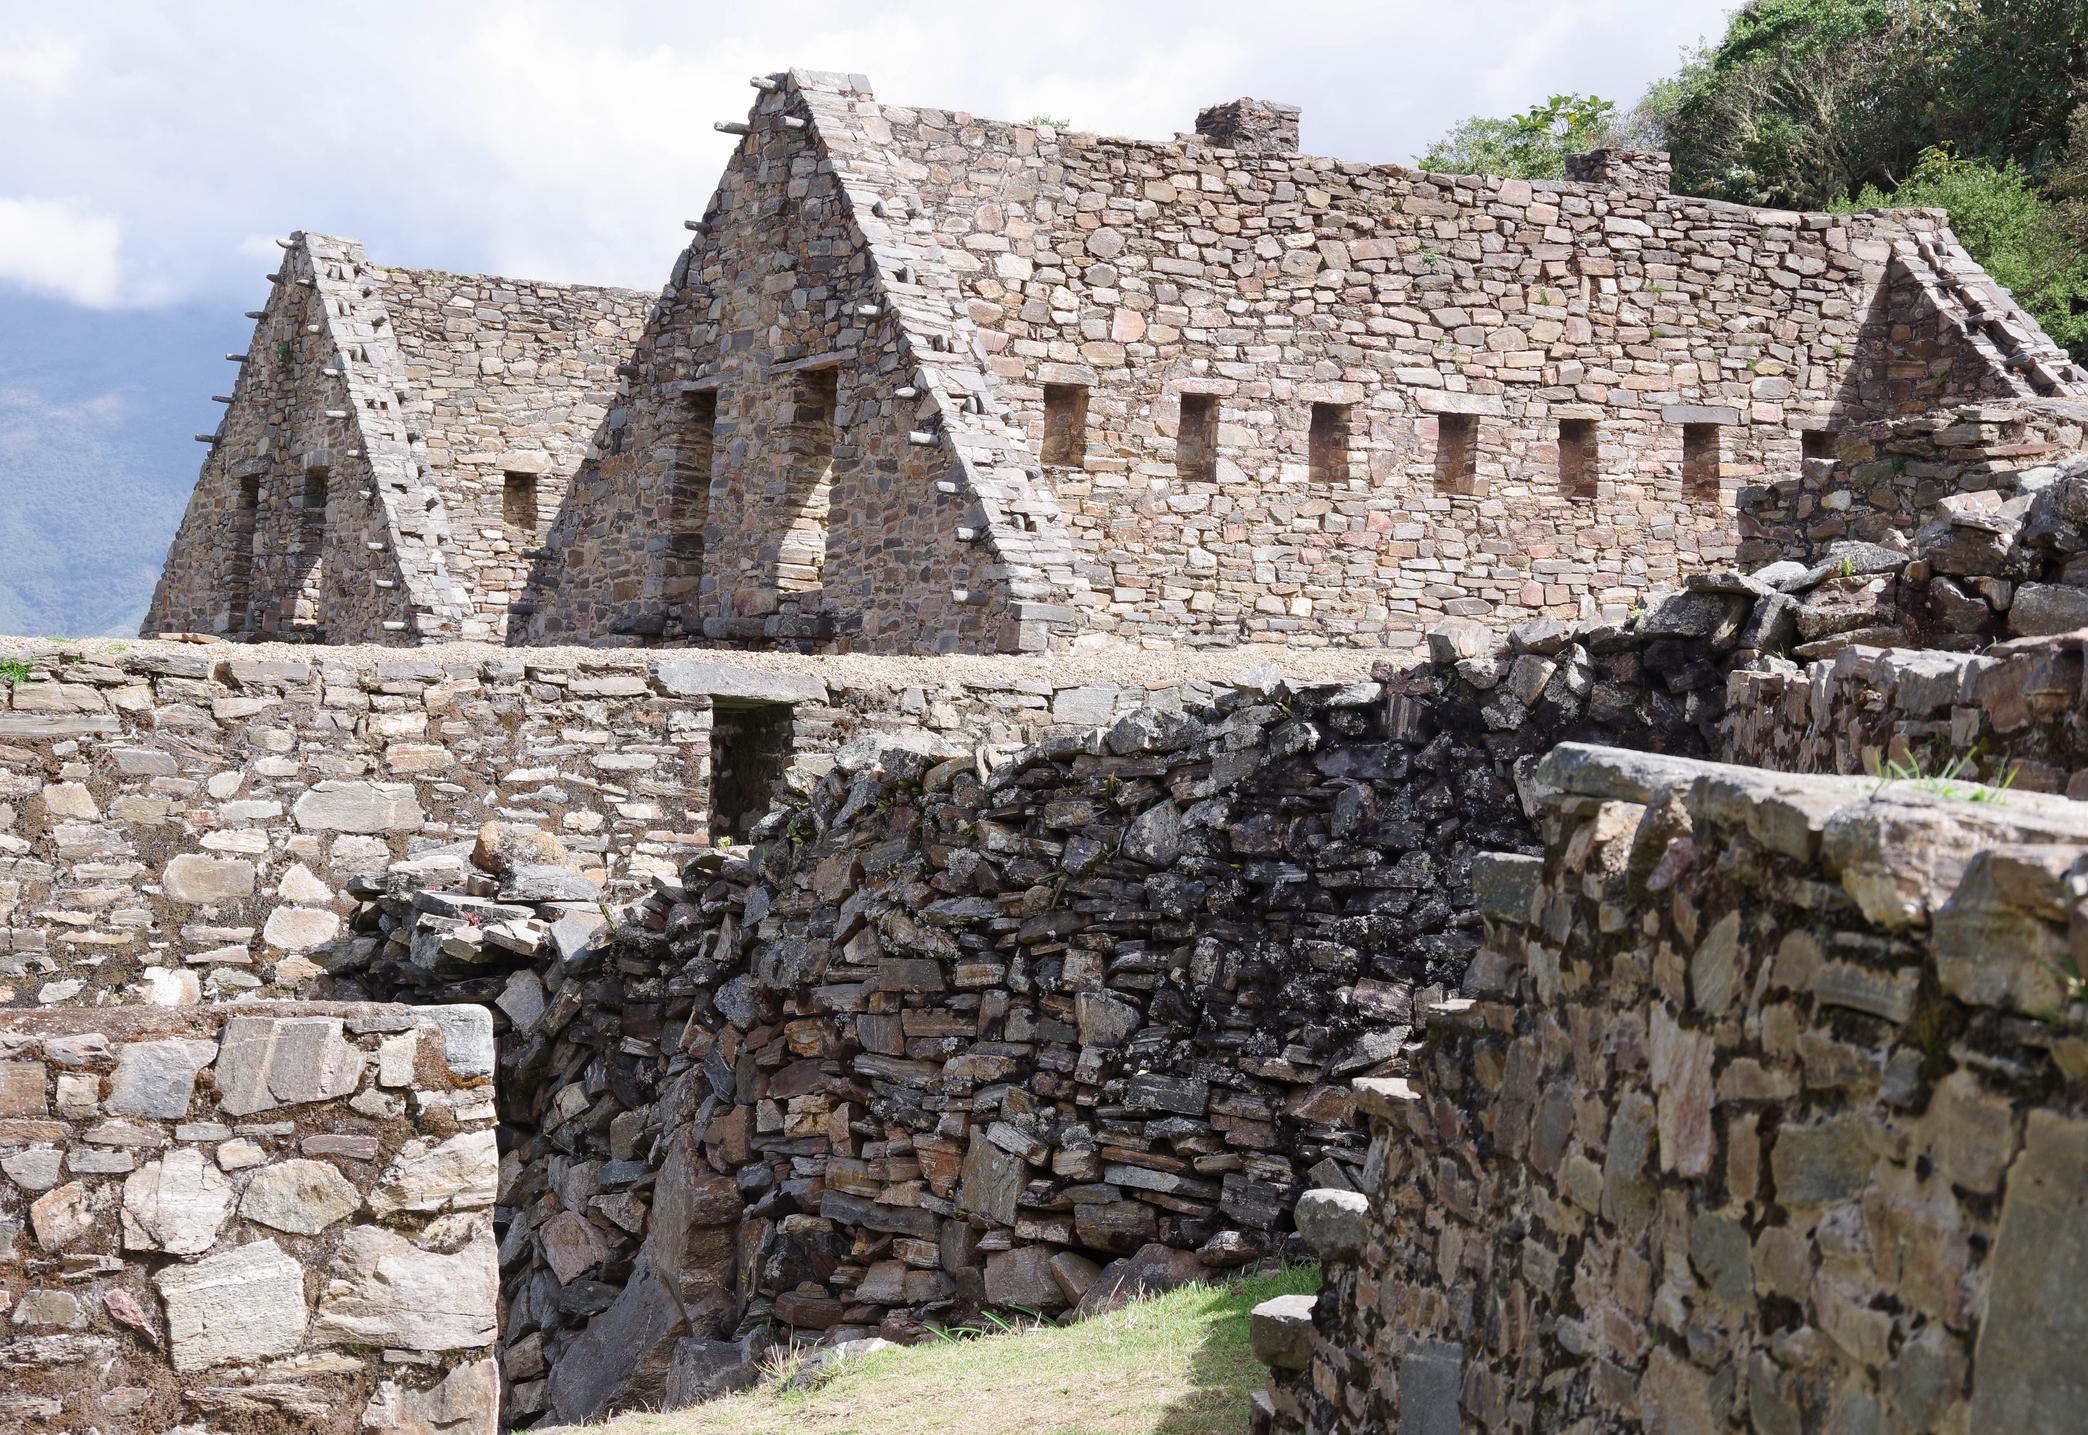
(921,438)
(767,84)
(733,127)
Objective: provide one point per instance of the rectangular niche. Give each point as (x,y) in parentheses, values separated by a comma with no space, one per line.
(1065,425)
(1329,443)
(750,751)
(1579,462)
(1457,453)
(1196,439)
(1700,460)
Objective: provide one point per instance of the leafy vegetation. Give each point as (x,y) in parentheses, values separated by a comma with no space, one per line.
(2011,229)
(1177,1364)
(1531,145)
(1979,107)
(14,672)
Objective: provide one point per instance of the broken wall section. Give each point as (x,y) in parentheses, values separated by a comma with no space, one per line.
(263,1217)
(1763,1109)
(955,1032)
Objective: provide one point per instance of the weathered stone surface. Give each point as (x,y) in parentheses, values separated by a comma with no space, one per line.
(204,881)
(300,929)
(1281,1331)
(302,1197)
(62,1216)
(246,1303)
(464,1402)
(502,847)
(265,1062)
(2040,1259)
(624,1354)
(381,1289)
(359,807)
(458,1174)
(177,1204)
(157,1078)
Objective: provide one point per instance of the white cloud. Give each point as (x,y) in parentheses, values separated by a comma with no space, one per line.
(562,141)
(61,247)
(42,68)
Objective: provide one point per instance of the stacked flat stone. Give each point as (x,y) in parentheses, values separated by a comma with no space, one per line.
(954,1036)
(265,1216)
(401,400)
(1759,1112)
(181,822)
(949,268)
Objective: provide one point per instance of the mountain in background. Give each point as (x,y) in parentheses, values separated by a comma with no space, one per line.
(97,456)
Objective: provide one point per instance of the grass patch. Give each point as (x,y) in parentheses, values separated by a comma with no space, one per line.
(1178,1364)
(14,672)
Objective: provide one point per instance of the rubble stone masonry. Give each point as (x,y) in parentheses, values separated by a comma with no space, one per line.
(1761,1109)
(1530,398)
(268,1216)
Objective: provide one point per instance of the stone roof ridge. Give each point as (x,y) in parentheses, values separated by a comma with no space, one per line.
(1992,324)
(1018,522)
(402,511)
(425,277)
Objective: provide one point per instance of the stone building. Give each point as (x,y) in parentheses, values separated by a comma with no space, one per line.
(393,452)
(926,382)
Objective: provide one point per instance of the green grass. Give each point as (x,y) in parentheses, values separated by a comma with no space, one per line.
(14,671)
(1178,1364)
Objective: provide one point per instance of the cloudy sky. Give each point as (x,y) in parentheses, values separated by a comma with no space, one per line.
(154,151)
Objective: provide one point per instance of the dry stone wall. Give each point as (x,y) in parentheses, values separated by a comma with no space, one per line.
(1762,1110)
(181,821)
(269,1216)
(511,383)
(366,482)
(1420,395)
(955,1032)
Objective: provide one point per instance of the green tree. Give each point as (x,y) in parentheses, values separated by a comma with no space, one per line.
(1530,145)
(2015,233)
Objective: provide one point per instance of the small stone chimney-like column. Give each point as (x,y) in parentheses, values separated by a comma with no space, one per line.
(1640,169)
(1250,126)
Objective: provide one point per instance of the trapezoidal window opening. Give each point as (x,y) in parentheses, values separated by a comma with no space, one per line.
(1700,460)
(1457,453)
(750,752)
(688,493)
(1580,470)
(806,438)
(1065,425)
(1329,443)
(1196,439)
(518,502)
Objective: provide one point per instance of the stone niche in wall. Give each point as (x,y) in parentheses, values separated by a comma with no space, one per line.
(253,1216)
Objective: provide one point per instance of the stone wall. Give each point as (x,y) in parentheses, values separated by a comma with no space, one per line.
(2012,714)
(512,381)
(1869,481)
(184,820)
(957,1032)
(263,1217)
(355,489)
(942,272)
(810,454)
(1762,1110)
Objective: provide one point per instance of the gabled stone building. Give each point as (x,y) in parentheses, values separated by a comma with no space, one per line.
(395,448)
(926,382)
